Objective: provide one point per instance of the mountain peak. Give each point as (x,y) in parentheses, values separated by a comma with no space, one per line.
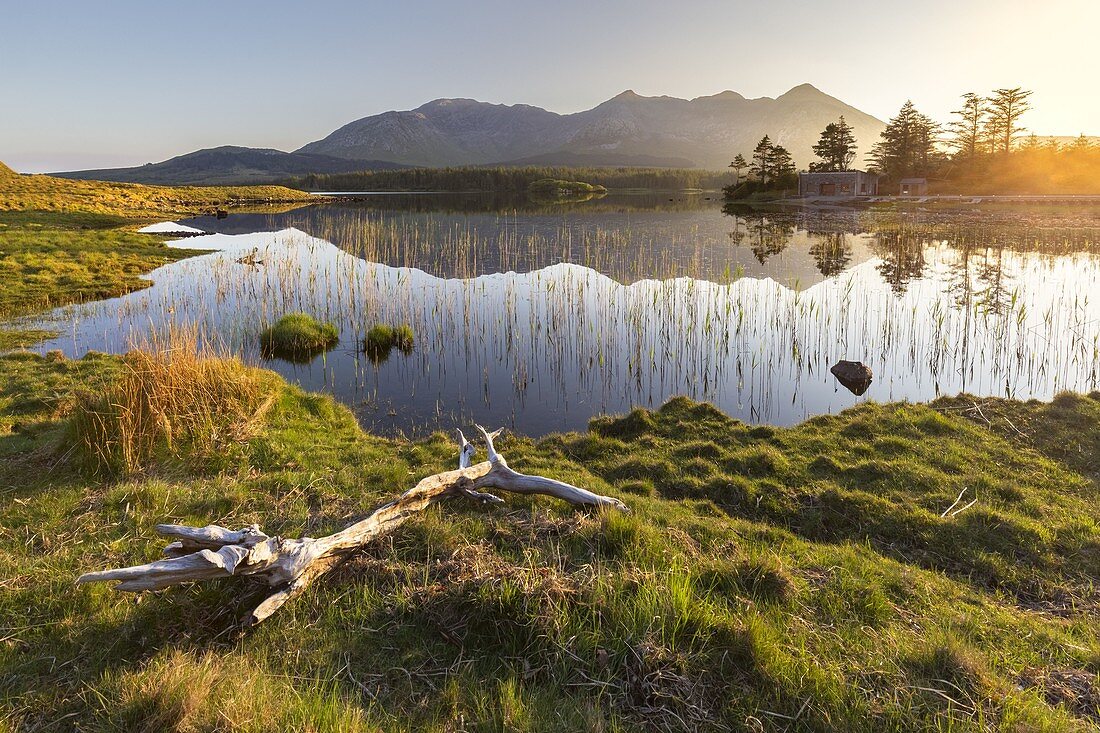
(451,102)
(802,91)
(724,96)
(626,95)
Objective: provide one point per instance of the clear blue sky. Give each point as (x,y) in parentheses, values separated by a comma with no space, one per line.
(104,83)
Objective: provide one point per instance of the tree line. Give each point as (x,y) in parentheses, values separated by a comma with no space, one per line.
(505,179)
(982,149)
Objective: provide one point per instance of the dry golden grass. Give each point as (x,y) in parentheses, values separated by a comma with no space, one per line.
(47,193)
(175,399)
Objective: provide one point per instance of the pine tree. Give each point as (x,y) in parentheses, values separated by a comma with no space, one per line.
(836,147)
(762,160)
(1006,106)
(1081,144)
(739,164)
(782,163)
(968,139)
(907,146)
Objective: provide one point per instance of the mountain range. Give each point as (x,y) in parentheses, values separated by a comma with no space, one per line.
(626,130)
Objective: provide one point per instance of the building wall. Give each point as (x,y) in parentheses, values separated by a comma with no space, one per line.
(844,184)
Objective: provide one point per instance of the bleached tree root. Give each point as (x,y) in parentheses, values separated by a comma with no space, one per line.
(291,565)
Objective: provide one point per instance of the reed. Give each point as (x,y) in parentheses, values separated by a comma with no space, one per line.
(174,400)
(633,314)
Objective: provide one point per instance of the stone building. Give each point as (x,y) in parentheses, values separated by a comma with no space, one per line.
(838,184)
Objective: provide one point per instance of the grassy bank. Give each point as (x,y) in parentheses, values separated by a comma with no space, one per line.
(794,579)
(64,241)
(52,259)
(131,200)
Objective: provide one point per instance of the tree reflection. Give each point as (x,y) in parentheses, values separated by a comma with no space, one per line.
(990,273)
(766,236)
(902,259)
(978,276)
(831,251)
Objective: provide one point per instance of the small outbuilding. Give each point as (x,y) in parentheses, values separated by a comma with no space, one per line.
(838,184)
(913,187)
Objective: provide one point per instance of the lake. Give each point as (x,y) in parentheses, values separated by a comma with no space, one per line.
(539,317)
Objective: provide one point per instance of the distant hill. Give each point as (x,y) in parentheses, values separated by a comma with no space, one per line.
(627,130)
(230,164)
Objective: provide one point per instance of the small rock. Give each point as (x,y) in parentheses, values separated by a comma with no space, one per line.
(855,375)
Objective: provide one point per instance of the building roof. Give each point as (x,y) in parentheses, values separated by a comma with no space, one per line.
(913,180)
(834,173)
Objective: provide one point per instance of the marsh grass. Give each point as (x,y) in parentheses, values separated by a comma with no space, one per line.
(383,338)
(298,337)
(51,259)
(174,400)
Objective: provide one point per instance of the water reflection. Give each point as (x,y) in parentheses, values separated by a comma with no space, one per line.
(540,320)
(831,251)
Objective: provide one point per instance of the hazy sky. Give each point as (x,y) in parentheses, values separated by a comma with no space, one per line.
(93,84)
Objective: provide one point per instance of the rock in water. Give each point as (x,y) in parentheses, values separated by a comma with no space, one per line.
(855,375)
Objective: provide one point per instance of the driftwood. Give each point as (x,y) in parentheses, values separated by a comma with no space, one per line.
(948,514)
(290,565)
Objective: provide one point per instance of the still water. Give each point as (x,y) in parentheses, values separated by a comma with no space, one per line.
(540,317)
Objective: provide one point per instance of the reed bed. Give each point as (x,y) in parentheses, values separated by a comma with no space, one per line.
(527,346)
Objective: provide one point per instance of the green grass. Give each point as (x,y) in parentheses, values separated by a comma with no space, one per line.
(62,241)
(298,337)
(800,577)
(50,260)
(381,339)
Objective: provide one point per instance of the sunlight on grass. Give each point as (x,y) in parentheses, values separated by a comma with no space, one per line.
(174,399)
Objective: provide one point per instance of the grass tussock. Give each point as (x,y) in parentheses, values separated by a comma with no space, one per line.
(171,401)
(381,339)
(298,337)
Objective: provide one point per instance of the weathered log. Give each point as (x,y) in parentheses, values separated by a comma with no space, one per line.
(291,565)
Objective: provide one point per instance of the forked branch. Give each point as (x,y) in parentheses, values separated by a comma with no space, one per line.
(290,565)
